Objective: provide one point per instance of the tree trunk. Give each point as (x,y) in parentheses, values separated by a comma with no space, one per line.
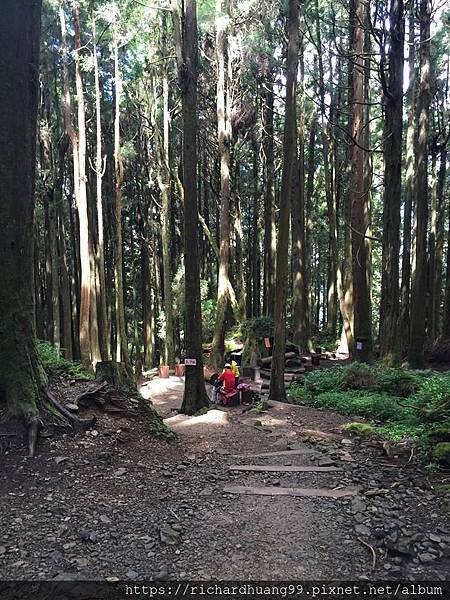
(300,306)
(393,130)
(331,207)
(121,332)
(224,299)
(309,225)
(82,207)
(164,184)
(21,374)
(361,294)
(195,396)
(269,199)
(410,189)
(277,389)
(99,172)
(440,239)
(419,286)
(446,315)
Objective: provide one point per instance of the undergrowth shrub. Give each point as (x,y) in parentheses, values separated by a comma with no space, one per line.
(433,397)
(358,376)
(55,364)
(413,404)
(364,404)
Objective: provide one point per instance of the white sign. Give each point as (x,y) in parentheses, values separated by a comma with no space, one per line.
(359,346)
(190,361)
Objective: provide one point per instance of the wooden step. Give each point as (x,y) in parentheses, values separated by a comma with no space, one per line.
(277,453)
(290,491)
(282,469)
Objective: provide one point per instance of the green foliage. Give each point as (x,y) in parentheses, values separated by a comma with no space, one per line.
(413,404)
(258,407)
(325,380)
(361,429)
(208,318)
(358,376)
(257,328)
(400,382)
(55,364)
(364,404)
(434,397)
(444,489)
(441,453)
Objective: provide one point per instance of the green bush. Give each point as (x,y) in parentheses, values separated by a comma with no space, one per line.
(55,364)
(257,328)
(434,397)
(400,382)
(364,404)
(359,376)
(326,380)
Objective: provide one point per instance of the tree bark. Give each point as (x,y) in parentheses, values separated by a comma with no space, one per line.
(419,284)
(224,299)
(410,189)
(21,374)
(99,172)
(361,294)
(82,207)
(195,396)
(393,132)
(164,185)
(277,389)
(331,206)
(300,305)
(121,332)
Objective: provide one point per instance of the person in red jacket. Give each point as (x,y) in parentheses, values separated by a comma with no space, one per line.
(228,379)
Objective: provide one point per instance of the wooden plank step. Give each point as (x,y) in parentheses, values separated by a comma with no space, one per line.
(282,469)
(291,491)
(277,453)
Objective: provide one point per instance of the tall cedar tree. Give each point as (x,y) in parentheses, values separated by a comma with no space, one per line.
(186,52)
(357,192)
(393,129)
(277,389)
(419,283)
(21,375)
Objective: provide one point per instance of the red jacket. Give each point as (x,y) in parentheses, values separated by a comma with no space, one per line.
(228,379)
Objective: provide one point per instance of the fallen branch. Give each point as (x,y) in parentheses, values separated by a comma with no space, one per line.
(374,554)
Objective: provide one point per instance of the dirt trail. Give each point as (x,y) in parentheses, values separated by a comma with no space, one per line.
(117,502)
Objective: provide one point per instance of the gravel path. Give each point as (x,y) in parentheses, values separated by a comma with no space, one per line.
(116,502)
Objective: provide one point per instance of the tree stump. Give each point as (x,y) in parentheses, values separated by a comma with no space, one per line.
(113,372)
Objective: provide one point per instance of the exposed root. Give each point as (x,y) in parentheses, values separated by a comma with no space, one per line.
(77,423)
(33,429)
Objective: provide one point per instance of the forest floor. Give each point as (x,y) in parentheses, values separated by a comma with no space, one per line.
(118,502)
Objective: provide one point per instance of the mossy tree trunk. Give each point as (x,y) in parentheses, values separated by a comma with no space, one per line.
(21,375)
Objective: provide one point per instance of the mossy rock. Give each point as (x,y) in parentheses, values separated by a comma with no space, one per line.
(360,429)
(441,453)
(444,489)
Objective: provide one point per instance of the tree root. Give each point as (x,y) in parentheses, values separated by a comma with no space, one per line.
(77,423)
